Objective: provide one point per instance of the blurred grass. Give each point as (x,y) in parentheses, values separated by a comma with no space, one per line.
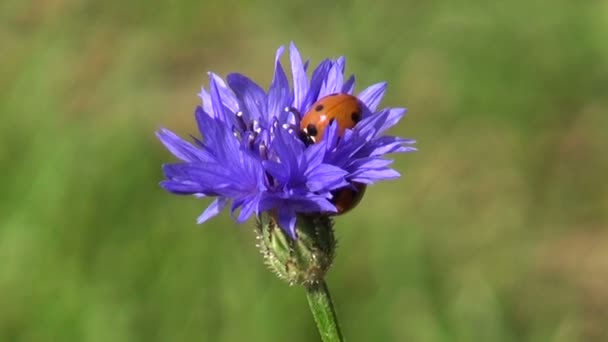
(497,232)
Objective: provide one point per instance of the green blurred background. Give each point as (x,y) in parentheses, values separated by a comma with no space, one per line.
(496,232)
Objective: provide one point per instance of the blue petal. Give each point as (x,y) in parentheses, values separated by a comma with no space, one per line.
(251,96)
(277,171)
(331,136)
(369,176)
(202,116)
(208,175)
(334,81)
(214,208)
(300,80)
(387,144)
(249,206)
(341,63)
(227,96)
(393,116)
(216,101)
(349,85)
(311,204)
(288,148)
(214,132)
(287,221)
(369,127)
(183,187)
(326,177)
(176,145)
(370,163)
(314,154)
(206,100)
(278,93)
(373,95)
(318,77)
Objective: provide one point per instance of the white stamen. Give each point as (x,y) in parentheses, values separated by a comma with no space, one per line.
(255,126)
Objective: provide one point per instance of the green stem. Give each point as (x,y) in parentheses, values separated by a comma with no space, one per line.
(323,312)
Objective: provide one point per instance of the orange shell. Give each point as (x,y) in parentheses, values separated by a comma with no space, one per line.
(344,108)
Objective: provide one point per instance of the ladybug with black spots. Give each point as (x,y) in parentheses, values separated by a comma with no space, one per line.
(347,111)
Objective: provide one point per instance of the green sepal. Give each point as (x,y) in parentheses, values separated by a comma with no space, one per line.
(301,261)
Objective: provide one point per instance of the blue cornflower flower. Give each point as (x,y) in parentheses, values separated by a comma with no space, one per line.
(251,154)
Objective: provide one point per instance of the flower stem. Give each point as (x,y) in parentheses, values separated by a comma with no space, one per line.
(323,311)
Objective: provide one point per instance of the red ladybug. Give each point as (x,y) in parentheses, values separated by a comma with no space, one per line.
(346,199)
(347,110)
(344,108)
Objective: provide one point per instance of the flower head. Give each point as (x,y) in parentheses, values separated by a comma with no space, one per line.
(251,154)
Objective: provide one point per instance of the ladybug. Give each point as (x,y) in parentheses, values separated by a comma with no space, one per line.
(346,199)
(347,110)
(344,108)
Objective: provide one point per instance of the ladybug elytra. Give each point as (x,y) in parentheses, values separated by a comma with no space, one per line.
(344,108)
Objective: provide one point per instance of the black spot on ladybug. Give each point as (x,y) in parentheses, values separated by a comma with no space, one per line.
(334,94)
(319,108)
(311,130)
(356,116)
(305,138)
(331,121)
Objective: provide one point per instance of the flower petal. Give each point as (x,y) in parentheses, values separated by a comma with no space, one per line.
(277,170)
(287,221)
(373,95)
(248,207)
(227,96)
(182,187)
(312,204)
(314,155)
(330,136)
(349,85)
(300,80)
(394,115)
(287,148)
(387,144)
(179,147)
(216,101)
(335,79)
(208,176)
(278,93)
(206,100)
(326,177)
(369,127)
(369,176)
(316,81)
(213,209)
(251,97)
(370,163)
